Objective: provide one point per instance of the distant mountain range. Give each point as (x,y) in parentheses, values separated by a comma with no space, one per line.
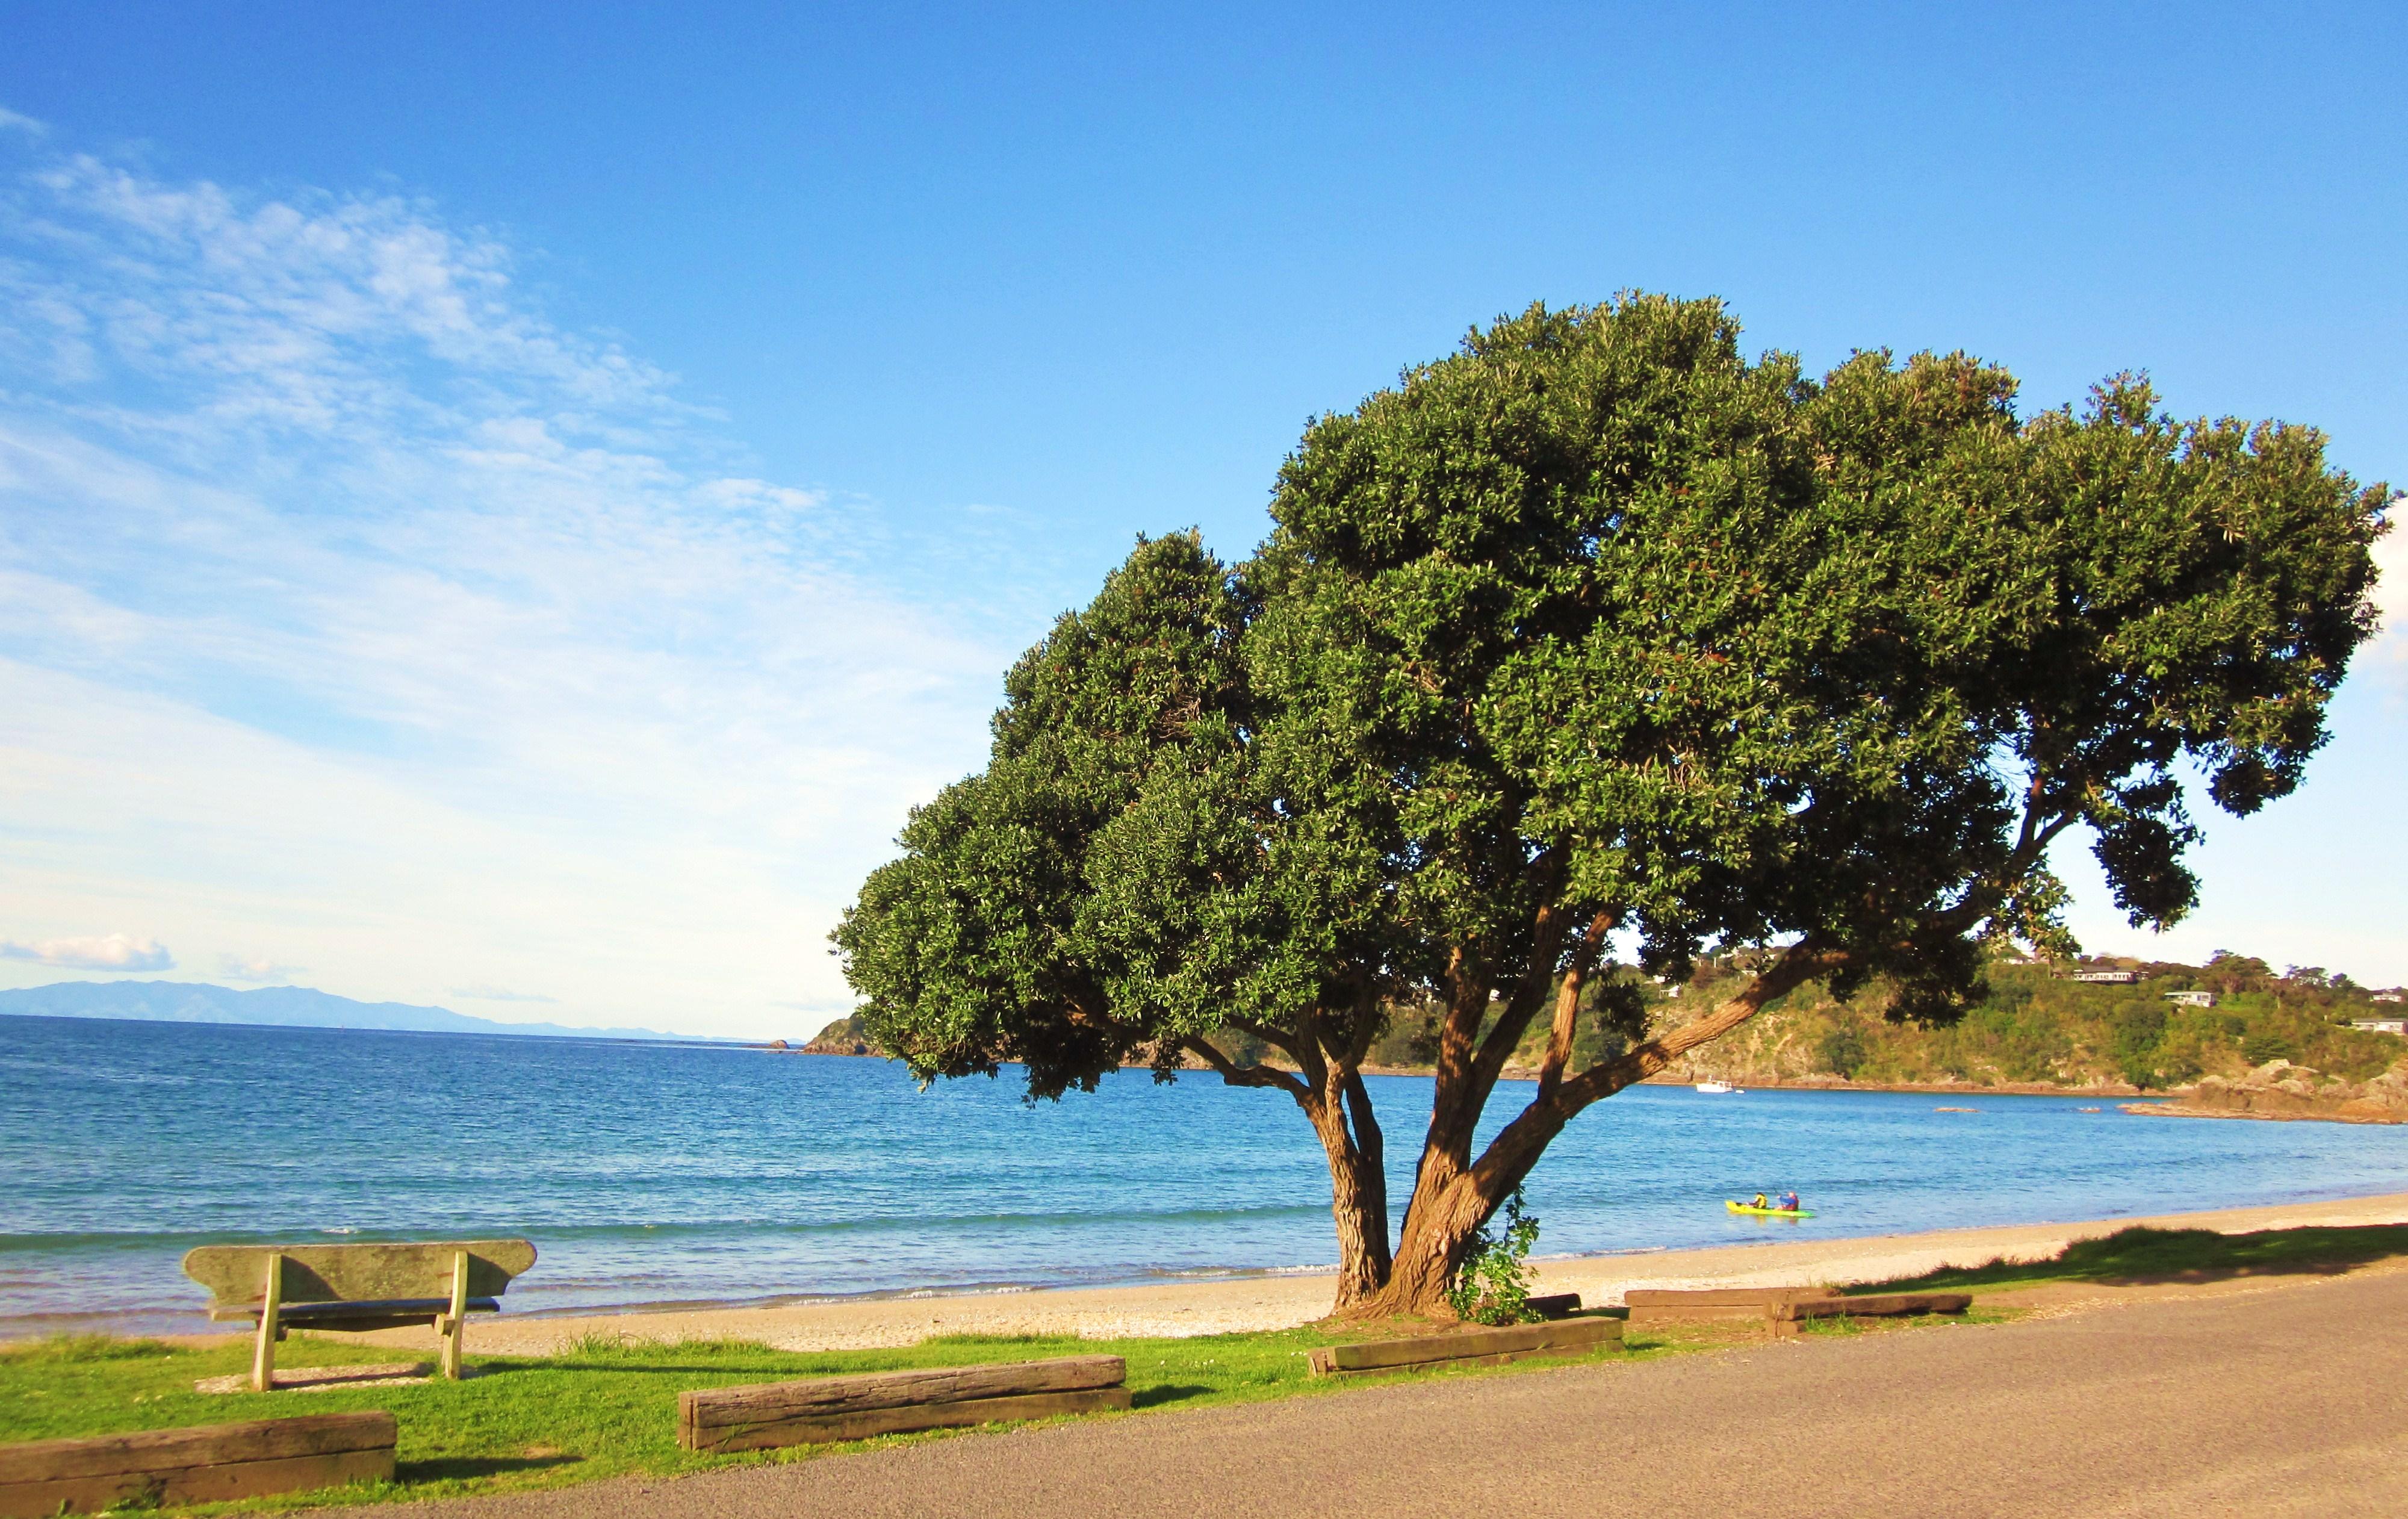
(288,1007)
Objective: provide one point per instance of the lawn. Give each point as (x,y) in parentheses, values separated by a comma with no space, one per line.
(2138,1257)
(601,1408)
(605,1408)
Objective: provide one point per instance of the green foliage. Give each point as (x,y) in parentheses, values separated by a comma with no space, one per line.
(1599,619)
(2265,1044)
(1842,1050)
(1493,1284)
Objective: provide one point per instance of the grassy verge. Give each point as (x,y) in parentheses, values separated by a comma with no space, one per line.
(604,1408)
(2143,1256)
(601,1408)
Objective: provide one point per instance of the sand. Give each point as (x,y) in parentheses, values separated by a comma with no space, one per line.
(1278,1302)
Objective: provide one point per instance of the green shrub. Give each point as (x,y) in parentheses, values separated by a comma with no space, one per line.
(2266,1044)
(1493,1284)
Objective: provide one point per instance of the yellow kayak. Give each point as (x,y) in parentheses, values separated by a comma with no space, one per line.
(1769,1212)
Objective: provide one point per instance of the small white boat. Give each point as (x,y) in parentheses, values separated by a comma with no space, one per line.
(1719,1089)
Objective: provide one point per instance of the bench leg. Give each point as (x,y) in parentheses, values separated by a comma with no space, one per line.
(271,1302)
(455,1322)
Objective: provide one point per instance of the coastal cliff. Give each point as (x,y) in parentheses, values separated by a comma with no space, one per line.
(843,1037)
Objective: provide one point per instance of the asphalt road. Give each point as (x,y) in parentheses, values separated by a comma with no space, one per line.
(2291,1402)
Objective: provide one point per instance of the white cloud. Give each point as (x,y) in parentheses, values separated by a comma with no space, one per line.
(117,952)
(2391,591)
(497,994)
(256,968)
(348,604)
(14,122)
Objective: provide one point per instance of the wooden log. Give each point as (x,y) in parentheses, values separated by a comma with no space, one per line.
(1874,1305)
(1715,1305)
(207,1464)
(1476,1347)
(820,1429)
(1702,1313)
(1721,1296)
(708,1417)
(358,1273)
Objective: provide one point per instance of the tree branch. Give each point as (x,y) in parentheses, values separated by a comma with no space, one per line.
(1798,964)
(1235,1075)
(1513,1020)
(1277,1039)
(1566,1024)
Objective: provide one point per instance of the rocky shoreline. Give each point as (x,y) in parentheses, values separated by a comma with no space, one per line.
(2281,1090)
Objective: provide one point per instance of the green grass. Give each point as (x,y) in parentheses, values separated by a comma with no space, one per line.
(2140,1256)
(600,1408)
(604,1408)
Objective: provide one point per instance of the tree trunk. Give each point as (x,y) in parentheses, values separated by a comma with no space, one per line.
(1358,1193)
(1452,1201)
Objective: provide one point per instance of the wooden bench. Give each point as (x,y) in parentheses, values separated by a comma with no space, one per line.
(207,1464)
(1467,1347)
(824,1408)
(383,1287)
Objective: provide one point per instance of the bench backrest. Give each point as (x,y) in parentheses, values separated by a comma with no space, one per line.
(236,1275)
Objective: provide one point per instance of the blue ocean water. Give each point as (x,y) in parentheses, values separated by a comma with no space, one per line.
(652,1173)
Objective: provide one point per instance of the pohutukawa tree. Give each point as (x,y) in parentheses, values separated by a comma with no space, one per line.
(1599,628)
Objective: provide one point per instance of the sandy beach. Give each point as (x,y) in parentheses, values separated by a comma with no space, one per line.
(1275,1302)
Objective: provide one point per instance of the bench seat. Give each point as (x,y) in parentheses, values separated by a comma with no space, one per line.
(356,1287)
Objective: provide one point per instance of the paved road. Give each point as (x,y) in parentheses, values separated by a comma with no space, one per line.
(2292,1402)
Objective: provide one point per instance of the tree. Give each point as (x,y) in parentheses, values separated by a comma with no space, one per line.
(1598,627)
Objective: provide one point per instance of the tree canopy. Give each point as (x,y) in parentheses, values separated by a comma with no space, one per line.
(1598,626)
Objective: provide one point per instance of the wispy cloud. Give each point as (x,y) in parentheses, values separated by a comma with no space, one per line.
(117,952)
(13,121)
(497,994)
(346,599)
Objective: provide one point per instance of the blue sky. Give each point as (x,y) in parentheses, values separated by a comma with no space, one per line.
(508,513)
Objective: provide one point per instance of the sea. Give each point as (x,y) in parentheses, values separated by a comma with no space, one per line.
(651,1174)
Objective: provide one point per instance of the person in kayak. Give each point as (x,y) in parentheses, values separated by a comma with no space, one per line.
(1789,1203)
(1759,1202)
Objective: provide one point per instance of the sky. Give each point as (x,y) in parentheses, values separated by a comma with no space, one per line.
(508,507)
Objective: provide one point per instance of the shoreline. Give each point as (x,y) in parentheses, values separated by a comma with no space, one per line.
(1226,1306)
(1777,1083)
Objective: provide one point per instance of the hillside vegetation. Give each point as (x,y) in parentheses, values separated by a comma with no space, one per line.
(2035,1027)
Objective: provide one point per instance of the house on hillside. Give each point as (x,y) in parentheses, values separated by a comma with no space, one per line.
(2106,978)
(2381,1025)
(2392,996)
(2192,1000)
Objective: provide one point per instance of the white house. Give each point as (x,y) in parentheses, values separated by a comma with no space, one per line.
(2106,978)
(2381,1025)
(2192,1000)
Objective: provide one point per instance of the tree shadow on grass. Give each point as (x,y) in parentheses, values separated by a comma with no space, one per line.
(1148,1397)
(2141,1256)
